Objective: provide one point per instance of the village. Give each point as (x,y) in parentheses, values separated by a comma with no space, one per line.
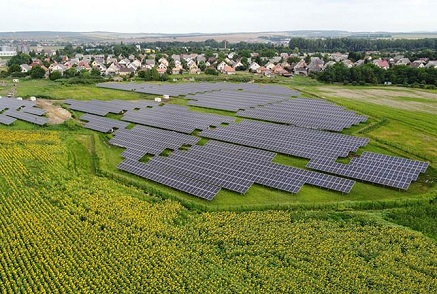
(53,64)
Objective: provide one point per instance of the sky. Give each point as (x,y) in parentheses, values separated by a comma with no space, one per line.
(223,16)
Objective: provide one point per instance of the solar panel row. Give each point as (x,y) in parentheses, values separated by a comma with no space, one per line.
(376,168)
(192,88)
(15,104)
(237,168)
(233,100)
(176,181)
(102,124)
(177,118)
(26,117)
(102,108)
(6,120)
(142,140)
(22,110)
(295,141)
(308,113)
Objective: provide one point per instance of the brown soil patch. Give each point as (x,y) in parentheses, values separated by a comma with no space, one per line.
(56,114)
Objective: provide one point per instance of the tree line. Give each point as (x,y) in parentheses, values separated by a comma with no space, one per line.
(371,74)
(357,45)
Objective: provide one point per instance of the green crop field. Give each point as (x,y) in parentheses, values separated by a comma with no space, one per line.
(71,222)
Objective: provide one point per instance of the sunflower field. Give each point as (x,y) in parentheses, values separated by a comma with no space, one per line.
(65,230)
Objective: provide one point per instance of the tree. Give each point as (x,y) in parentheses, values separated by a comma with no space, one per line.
(37,72)
(71,72)
(55,75)
(14,68)
(211,71)
(95,72)
(19,59)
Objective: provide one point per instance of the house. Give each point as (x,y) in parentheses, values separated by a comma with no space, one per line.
(135,64)
(285,56)
(164,61)
(176,57)
(113,69)
(300,68)
(124,62)
(161,71)
(348,63)
(381,63)
(275,59)
(328,64)
(194,69)
(176,70)
(191,62)
(261,70)
(162,66)
(25,68)
(212,60)
(228,70)
(285,64)
(84,64)
(237,64)
(254,67)
(338,56)
(403,61)
(231,55)
(316,64)
(279,70)
(431,64)
(221,66)
(359,62)
(149,63)
(200,58)
(125,71)
(269,65)
(57,67)
(418,64)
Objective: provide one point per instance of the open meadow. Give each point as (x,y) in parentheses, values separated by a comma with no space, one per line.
(72,221)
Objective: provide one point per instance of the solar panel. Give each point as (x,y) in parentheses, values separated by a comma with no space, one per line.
(6,120)
(177,181)
(102,124)
(308,113)
(295,141)
(376,168)
(26,117)
(177,118)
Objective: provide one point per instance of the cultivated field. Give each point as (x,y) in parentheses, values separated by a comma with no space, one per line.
(73,222)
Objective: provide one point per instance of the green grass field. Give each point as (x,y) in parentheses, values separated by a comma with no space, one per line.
(73,223)
(404,133)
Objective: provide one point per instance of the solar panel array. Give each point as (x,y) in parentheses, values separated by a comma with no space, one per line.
(14,104)
(33,110)
(232,167)
(192,88)
(142,140)
(102,124)
(308,113)
(295,141)
(26,117)
(20,109)
(376,168)
(104,107)
(6,120)
(176,181)
(233,100)
(176,118)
